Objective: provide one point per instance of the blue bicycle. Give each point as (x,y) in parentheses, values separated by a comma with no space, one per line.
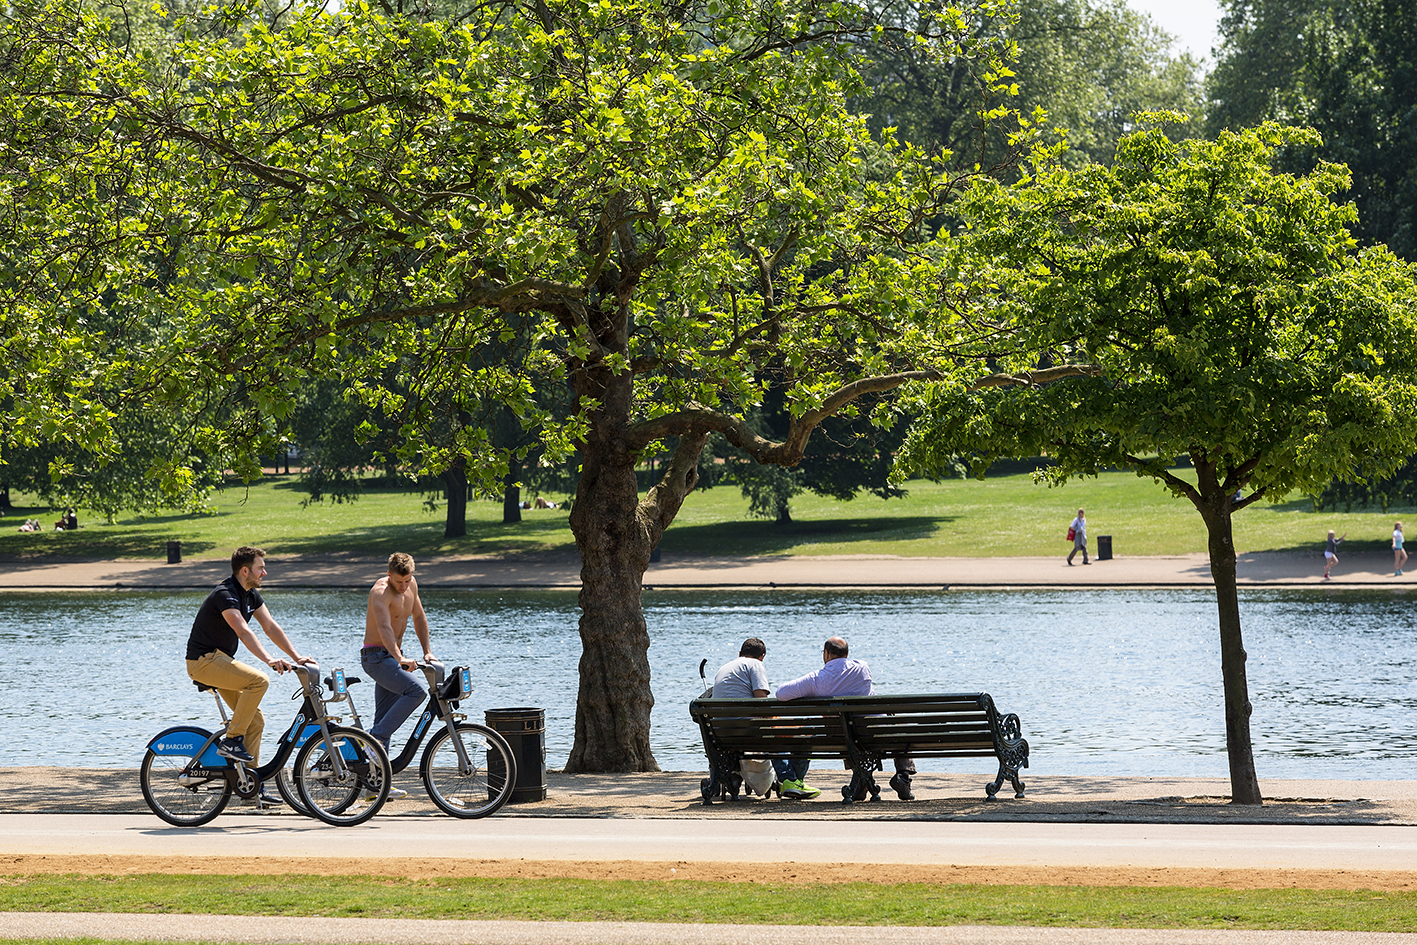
(341,775)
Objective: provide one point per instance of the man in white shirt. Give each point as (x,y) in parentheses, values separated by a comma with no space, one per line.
(839,676)
(743,678)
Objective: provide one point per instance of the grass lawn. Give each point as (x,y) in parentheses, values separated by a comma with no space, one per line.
(1002,516)
(716,902)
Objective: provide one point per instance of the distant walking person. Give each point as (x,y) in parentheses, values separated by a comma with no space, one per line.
(1331,552)
(1399,557)
(1078,531)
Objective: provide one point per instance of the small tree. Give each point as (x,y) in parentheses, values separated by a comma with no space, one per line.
(1233,322)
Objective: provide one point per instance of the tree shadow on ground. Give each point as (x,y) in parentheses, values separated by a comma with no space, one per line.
(759,537)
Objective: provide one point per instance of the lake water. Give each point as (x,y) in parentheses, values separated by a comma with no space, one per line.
(1123,682)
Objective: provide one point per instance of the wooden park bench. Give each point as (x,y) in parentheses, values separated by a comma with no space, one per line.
(862,731)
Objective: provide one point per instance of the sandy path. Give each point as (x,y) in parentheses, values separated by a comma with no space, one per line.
(561,571)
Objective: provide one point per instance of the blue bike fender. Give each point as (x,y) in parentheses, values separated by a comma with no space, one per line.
(183,740)
(309,731)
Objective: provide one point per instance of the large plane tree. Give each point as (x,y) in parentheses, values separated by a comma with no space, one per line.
(667,207)
(1233,321)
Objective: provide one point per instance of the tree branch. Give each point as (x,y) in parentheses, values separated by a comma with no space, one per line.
(696,418)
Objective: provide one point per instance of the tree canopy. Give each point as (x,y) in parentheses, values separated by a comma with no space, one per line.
(1348,70)
(1088,65)
(1233,321)
(668,208)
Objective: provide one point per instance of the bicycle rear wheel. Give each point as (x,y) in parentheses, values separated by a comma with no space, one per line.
(178,798)
(285,783)
(484,786)
(351,798)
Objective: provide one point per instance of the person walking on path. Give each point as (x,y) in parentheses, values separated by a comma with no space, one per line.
(1399,557)
(1331,552)
(222,621)
(397,692)
(1078,530)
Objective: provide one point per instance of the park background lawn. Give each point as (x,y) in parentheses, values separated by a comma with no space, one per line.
(1000,516)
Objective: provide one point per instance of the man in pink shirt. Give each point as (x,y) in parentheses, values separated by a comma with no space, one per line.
(839,676)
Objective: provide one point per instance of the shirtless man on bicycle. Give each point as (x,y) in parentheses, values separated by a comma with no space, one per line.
(397,692)
(221,622)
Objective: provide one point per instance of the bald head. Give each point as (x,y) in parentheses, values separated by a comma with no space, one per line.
(834,649)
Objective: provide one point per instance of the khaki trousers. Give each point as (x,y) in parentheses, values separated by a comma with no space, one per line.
(242,688)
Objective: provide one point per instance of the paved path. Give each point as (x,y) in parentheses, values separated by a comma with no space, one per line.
(184,928)
(1144,846)
(1271,569)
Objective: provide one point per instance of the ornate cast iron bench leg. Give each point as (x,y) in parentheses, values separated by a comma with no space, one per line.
(863,782)
(720,777)
(1006,771)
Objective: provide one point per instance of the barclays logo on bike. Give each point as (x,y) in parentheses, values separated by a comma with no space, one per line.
(177,745)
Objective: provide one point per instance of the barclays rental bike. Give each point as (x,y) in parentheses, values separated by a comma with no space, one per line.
(341,774)
(469,770)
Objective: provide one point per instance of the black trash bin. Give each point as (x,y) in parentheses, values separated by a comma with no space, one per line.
(525,731)
(174,552)
(1104,547)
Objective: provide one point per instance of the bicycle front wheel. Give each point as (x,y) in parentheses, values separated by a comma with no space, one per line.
(178,797)
(481,787)
(351,797)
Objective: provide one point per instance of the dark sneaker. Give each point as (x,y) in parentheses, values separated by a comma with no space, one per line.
(263,800)
(901,783)
(235,749)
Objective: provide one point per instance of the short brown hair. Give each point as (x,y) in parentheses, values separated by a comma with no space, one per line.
(244,557)
(401,564)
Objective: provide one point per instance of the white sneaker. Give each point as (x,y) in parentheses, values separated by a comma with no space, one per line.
(395,794)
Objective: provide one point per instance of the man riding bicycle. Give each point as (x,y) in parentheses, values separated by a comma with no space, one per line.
(392,601)
(221,622)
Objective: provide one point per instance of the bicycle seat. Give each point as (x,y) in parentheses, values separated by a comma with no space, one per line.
(202,687)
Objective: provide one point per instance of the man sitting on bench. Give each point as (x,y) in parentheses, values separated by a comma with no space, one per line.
(838,676)
(743,678)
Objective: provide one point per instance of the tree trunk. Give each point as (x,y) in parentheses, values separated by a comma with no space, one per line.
(455,493)
(615,533)
(1215,509)
(512,493)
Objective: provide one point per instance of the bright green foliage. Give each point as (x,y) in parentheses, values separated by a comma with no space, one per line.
(1226,303)
(1089,65)
(354,196)
(667,208)
(1347,68)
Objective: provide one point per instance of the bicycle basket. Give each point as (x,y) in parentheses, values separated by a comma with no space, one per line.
(458,685)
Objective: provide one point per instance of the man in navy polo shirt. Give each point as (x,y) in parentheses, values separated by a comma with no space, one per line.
(221,623)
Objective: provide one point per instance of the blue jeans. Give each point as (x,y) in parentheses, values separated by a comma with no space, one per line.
(397,692)
(792,769)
